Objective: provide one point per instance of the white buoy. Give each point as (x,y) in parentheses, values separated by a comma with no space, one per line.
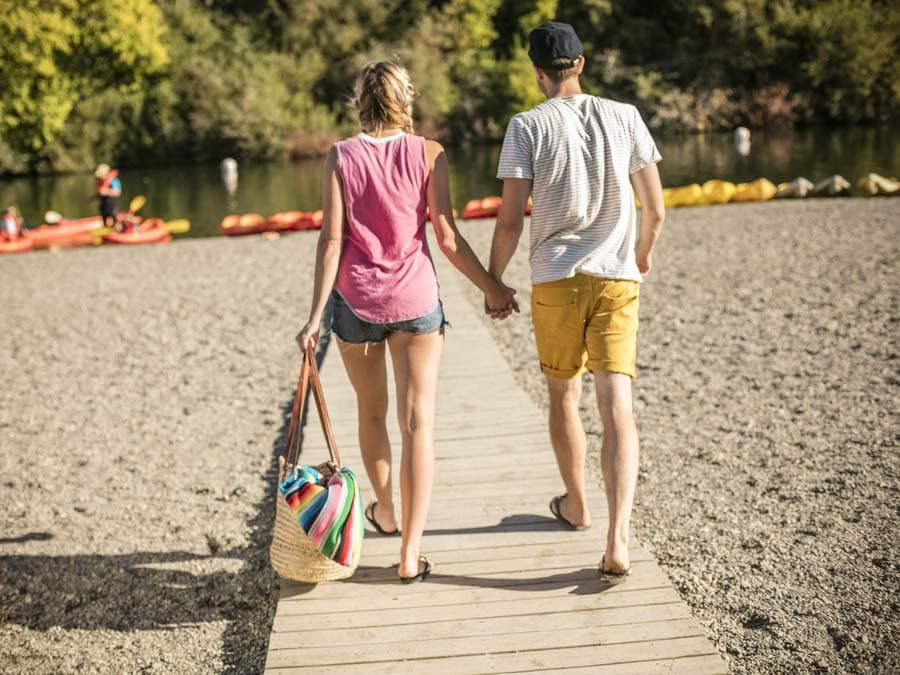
(742,141)
(229,169)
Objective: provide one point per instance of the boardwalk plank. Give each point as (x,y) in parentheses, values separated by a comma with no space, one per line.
(403,616)
(658,634)
(526,551)
(590,595)
(687,665)
(439,627)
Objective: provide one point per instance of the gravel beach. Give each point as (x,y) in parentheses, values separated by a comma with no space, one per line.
(145,394)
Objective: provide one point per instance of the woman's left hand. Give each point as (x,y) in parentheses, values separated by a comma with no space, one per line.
(500,303)
(308,338)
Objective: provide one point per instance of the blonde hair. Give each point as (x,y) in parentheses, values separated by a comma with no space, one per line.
(383,97)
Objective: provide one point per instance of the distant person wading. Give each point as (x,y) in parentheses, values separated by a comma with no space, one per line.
(373,261)
(583,159)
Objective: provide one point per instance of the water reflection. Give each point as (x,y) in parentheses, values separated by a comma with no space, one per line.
(202,194)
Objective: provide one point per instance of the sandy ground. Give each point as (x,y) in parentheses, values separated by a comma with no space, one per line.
(144,399)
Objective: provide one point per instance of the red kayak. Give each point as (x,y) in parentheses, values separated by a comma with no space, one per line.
(487,208)
(151,231)
(18,245)
(313,221)
(288,220)
(67,233)
(234,225)
(250,223)
(310,221)
(482,208)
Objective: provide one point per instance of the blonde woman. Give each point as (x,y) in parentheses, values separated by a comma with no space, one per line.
(373,260)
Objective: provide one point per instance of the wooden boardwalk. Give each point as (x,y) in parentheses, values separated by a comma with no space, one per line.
(512,591)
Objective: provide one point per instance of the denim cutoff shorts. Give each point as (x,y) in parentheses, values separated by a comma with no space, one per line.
(350,328)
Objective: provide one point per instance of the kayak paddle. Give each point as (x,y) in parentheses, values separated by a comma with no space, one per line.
(137,203)
(179,226)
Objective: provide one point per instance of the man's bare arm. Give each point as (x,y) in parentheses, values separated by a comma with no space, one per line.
(648,189)
(510,223)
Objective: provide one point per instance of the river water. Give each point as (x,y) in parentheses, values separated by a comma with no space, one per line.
(198,193)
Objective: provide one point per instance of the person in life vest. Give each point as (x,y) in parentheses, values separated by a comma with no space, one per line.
(108,188)
(10,224)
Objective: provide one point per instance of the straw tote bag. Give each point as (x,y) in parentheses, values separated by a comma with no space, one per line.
(318,513)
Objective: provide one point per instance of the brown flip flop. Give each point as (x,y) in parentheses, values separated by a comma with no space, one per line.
(421,575)
(555,509)
(370,516)
(612,574)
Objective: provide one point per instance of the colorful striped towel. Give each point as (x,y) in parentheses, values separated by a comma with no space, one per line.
(328,510)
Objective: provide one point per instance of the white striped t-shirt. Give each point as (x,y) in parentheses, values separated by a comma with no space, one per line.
(579,152)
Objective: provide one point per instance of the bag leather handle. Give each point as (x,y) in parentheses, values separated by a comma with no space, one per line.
(309,374)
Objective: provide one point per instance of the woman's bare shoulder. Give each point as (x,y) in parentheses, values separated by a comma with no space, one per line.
(433,150)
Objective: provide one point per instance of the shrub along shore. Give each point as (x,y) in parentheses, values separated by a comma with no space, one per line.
(138,83)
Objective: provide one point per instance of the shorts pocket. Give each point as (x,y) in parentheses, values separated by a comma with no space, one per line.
(553,297)
(558,330)
(620,292)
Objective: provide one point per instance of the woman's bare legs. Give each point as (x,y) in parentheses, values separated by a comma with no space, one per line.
(416,359)
(366,369)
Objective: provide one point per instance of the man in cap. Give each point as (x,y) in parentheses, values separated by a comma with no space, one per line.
(583,159)
(107,189)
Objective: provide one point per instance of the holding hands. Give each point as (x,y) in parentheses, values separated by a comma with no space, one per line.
(500,301)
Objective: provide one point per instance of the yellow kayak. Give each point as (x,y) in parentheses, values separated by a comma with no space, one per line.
(687,195)
(760,190)
(718,191)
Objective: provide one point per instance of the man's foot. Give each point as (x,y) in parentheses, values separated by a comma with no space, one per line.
(370,516)
(612,569)
(559,509)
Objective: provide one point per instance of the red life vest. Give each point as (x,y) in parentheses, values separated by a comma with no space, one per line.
(103,183)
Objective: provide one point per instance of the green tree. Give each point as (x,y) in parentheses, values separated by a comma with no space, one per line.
(38,94)
(57,52)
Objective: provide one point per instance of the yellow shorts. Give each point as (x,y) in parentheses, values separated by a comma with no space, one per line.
(585,323)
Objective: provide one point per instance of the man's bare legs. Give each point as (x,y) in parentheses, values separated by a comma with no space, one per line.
(416,359)
(618,455)
(619,462)
(366,369)
(570,446)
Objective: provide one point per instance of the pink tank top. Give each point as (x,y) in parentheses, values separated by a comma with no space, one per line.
(386,273)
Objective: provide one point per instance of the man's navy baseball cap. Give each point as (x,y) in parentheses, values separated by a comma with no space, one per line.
(551,41)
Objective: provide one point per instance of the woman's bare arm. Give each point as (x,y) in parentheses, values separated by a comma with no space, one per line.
(328,250)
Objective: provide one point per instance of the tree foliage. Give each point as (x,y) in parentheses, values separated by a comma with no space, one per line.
(54,53)
(134,81)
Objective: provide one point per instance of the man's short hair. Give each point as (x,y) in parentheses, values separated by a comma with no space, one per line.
(562,70)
